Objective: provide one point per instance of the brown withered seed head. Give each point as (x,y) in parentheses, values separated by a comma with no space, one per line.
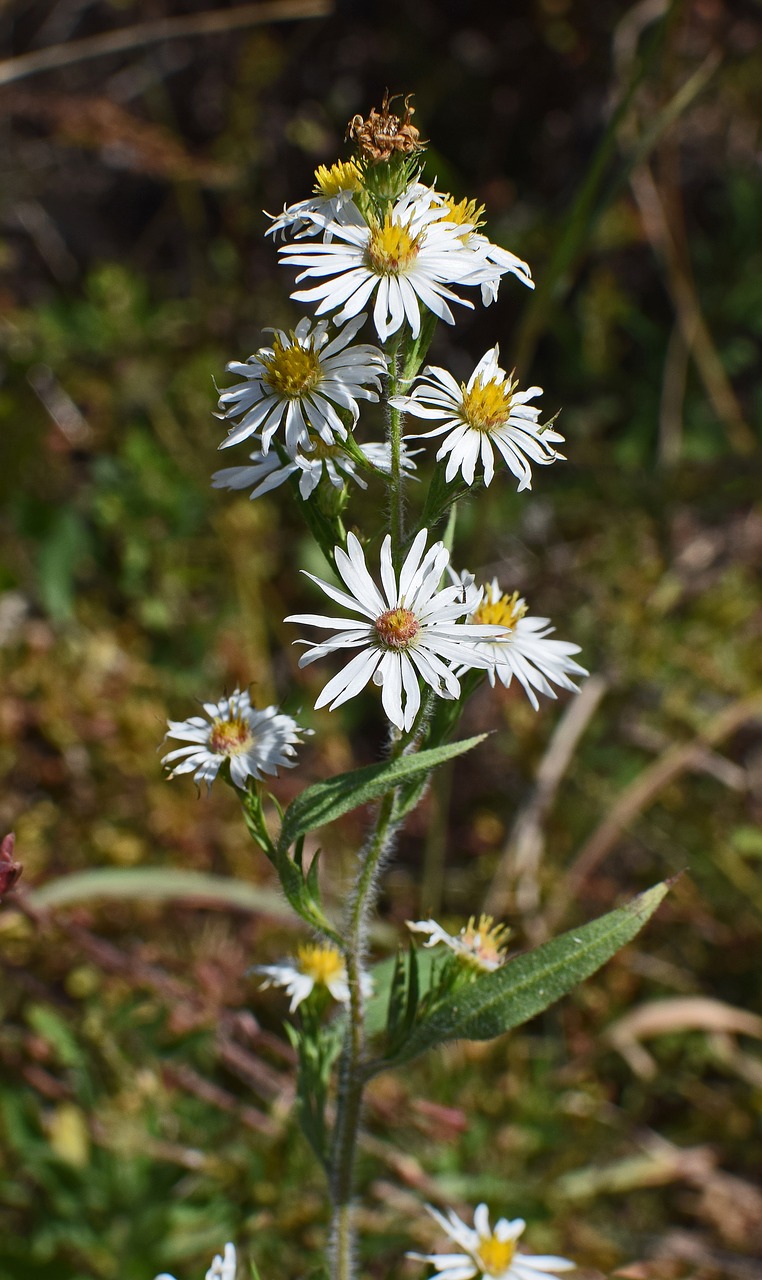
(383,133)
(9,870)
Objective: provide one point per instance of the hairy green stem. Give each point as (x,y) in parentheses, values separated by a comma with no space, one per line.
(352,1077)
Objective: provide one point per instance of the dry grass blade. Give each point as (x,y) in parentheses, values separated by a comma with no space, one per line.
(641,794)
(213,22)
(681,1013)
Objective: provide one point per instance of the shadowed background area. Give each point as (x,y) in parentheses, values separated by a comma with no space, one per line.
(145,1087)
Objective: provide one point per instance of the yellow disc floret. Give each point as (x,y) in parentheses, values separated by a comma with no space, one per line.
(397,628)
(464,212)
(392,248)
(291,371)
(495,1255)
(345,175)
(230,737)
(322,964)
(498,610)
(484,943)
(487,405)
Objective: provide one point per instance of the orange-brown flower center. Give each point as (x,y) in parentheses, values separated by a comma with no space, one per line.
(230,737)
(397,628)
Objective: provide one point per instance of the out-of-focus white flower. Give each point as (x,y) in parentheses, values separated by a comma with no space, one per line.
(314,965)
(408,630)
(481,944)
(254,742)
(222,1268)
(525,651)
(486,411)
(491,1254)
(329,461)
(407,261)
(334,187)
(302,381)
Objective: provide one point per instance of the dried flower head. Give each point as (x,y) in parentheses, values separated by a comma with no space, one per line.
(385,133)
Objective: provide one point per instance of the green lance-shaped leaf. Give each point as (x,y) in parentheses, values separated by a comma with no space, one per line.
(326,801)
(525,986)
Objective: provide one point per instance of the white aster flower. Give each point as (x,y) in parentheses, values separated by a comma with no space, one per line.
(407,261)
(326,461)
(481,944)
(314,965)
(486,411)
(491,1254)
(222,1268)
(303,379)
(496,261)
(334,187)
(254,742)
(525,651)
(406,631)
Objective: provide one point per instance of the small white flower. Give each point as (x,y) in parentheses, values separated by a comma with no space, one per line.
(303,382)
(329,461)
(408,261)
(334,187)
(408,630)
(491,1254)
(524,651)
(486,411)
(495,260)
(481,944)
(314,965)
(254,742)
(222,1268)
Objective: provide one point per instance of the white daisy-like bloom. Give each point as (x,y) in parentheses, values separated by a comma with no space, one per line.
(254,742)
(408,261)
(315,965)
(481,944)
(329,461)
(525,650)
(490,1254)
(406,630)
(302,381)
(222,1268)
(496,260)
(479,416)
(334,187)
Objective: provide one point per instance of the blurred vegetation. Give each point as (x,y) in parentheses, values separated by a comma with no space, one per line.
(144,1084)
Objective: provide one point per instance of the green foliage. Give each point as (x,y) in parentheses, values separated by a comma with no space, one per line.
(326,801)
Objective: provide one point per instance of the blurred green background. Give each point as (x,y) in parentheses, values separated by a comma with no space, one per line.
(145,1096)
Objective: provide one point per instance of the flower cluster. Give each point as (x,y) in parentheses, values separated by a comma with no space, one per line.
(374,245)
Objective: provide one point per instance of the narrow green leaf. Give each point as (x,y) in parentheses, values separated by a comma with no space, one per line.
(326,801)
(532,982)
(157,883)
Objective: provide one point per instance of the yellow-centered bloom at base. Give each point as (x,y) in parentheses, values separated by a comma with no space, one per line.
(486,1252)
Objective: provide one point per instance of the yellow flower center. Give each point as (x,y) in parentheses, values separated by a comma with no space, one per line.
(495,1255)
(342,176)
(323,450)
(500,611)
(397,628)
(464,212)
(392,248)
(487,405)
(230,737)
(291,371)
(486,944)
(322,964)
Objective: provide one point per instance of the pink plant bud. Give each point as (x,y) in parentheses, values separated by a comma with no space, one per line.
(10,870)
